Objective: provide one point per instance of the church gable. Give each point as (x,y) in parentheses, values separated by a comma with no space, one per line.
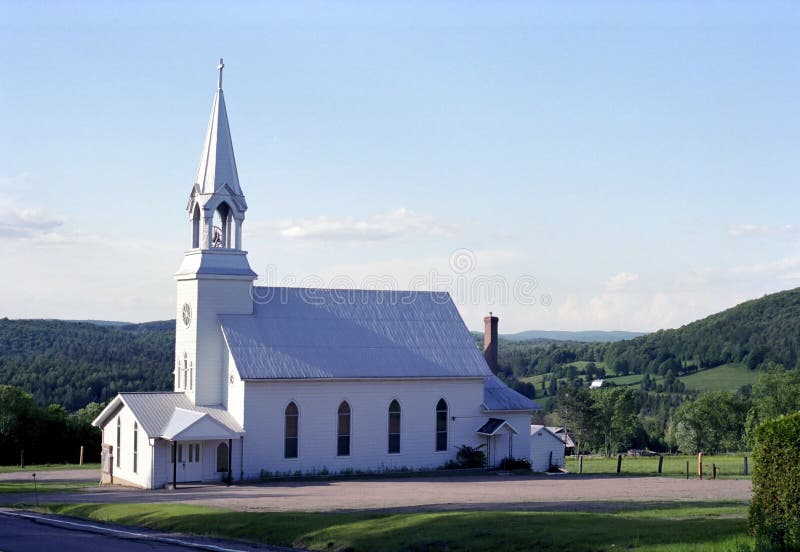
(298,333)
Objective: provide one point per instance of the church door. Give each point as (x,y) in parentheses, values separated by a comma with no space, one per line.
(190,467)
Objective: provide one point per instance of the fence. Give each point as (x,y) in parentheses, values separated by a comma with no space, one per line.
(725,466)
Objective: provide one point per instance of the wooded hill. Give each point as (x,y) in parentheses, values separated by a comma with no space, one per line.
(753,333)
(75,363)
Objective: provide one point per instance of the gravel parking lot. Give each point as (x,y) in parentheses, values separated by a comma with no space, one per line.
(490,492)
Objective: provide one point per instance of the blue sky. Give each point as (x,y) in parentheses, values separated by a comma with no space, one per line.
(606,165)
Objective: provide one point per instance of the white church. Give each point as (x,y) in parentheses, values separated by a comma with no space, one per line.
(295,380)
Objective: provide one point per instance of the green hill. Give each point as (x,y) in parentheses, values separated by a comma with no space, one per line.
(74,363)
(752,333)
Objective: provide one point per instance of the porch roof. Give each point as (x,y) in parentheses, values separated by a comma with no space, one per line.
(493,427)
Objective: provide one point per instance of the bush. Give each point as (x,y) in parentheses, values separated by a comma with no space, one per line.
(775,509)
(509,463)
(471,457)
(466,457)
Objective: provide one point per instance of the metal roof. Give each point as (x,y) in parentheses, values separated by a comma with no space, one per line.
(190,424)
(154,411)
(549,431)
(494,425)
(562,434)
(497,396)
(303,333)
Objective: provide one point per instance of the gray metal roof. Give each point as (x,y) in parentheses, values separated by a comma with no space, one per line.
(547,430)
(154,411)
(302,333)
(498,396)
(492,426)
(191,424)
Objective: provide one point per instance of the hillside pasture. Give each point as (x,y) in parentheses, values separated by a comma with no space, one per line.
(727,377)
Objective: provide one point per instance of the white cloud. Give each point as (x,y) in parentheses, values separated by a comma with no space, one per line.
(620,281)
(379,227)
(27,223)
(772,231)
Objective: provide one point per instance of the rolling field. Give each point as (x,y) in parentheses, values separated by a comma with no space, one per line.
(728,377)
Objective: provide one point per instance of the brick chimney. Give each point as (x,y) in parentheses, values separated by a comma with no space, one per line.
(490,341)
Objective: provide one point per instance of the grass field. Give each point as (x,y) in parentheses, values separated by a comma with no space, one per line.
(728,377)
(14,487)
(48,467)
(702,527)
(715,526)
(728,466)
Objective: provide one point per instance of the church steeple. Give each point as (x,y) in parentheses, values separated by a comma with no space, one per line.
(216,204)
(215,276)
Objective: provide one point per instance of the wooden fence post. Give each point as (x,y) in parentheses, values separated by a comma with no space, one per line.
(745,466)
(619,463)
(80,460)
(700,465)
(660,463)
(580,463)
(687,469)
(21,458)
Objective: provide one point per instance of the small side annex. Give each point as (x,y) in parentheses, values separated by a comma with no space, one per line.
(143,434)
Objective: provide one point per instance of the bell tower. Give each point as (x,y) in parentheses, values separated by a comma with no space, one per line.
(215,276)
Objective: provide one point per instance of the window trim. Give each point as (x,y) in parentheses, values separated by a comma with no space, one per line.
(135,446)
(446,431)
(119,440)
(399,433)
(297,431)
(349,434)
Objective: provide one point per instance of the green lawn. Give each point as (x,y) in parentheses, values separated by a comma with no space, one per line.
(48,467)
(631,379)
(535,380)
(728,377)
(14,487)
(728,466)
(713,526)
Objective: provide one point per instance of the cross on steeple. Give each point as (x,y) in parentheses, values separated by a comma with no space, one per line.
(220,67)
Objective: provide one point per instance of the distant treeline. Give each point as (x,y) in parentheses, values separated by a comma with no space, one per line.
(45,434)
(757,332)
(75,363)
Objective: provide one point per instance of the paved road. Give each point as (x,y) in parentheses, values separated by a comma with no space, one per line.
(26,532)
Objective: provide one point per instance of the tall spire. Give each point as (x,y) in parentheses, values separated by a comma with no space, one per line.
(217,162)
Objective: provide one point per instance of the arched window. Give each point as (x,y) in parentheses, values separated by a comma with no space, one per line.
(394,426)
(343,430)
(290,439)
(135,445)
(441,425)
(119,439)
(222,457)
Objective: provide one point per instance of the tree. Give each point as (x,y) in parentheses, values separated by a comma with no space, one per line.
(575,410)
(615,419)
(711,423)
(775,393)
